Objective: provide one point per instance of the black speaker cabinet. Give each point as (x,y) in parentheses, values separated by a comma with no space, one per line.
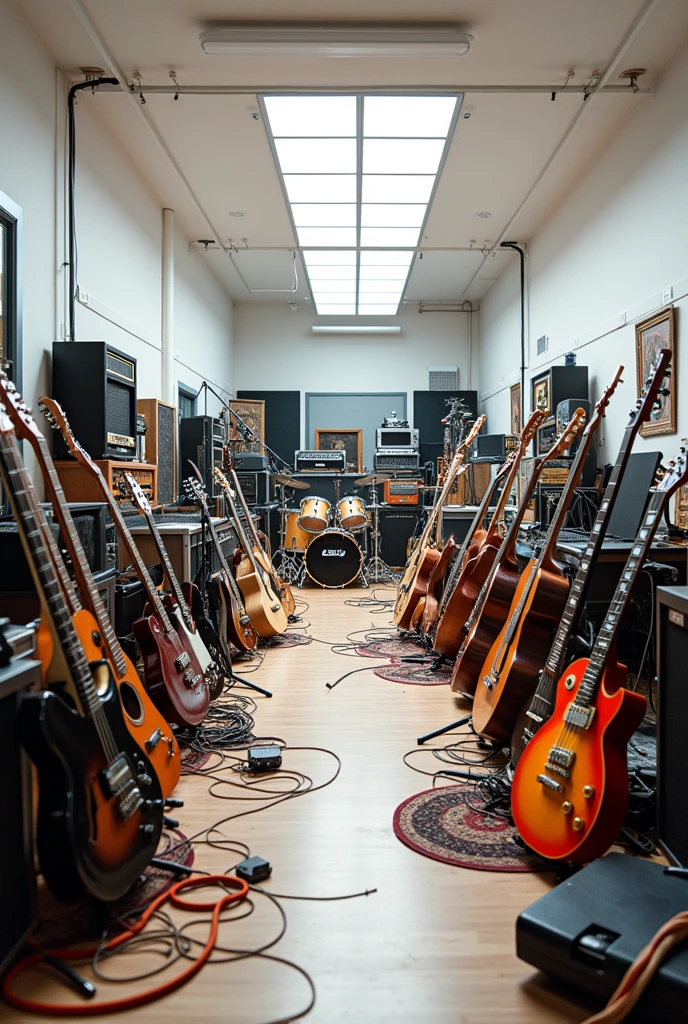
(161,444)
(18,903)
(429,409)
(397,526)
(255,485)
(96,386)
(672,723)
(557,383)
(201,439)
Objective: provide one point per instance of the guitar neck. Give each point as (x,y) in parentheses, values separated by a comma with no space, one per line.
(508,548)
(547,560)
(167,565)
(82,569)
(31,522)
(245,509)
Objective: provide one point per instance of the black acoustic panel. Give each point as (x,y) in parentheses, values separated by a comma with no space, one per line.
(672,723)
(397,526)
(282,420)
(429,409)
(633,496)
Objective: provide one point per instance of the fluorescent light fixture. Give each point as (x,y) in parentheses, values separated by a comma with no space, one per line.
(358,174)
(335,40)
(355,329)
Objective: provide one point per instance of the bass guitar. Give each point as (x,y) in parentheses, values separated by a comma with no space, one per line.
(491,604)
(173,675)
(261,595)
(425,555)
(200,634)
(539,708)
(100,802)
(509,673)
(472,567)
(146,725)
(231,618)
(570,788)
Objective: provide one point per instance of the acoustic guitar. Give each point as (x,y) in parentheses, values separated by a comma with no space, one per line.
(199,635)
(174,678)
(539,708)
(231,618)
(425,555)
(100,802)
(261,595)
(509,674)
(570,788)
(146,725)
(471,568)
(491,604)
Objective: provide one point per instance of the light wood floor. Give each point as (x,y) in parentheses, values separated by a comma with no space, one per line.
(435,943)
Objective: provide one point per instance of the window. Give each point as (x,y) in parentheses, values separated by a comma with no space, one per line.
(187,402)
(10,296)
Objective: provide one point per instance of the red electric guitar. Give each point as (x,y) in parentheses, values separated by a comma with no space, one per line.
(173,675)
(570,788)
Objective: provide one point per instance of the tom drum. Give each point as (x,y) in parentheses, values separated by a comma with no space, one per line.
(333,559)
(315,514)
(351,513)
(295,537)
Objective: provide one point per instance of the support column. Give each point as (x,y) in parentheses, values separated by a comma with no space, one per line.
(168,382)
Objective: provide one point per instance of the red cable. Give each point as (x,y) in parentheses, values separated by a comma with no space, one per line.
(141,998)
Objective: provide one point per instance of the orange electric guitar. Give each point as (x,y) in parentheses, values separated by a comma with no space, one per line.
(570,788)
(425,555)
(146,725)
(509,674)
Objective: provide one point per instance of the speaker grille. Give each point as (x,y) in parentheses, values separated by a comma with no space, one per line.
(119,413)
(443,378)
(167,425)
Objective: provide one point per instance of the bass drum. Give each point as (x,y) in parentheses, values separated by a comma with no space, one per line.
(333,559)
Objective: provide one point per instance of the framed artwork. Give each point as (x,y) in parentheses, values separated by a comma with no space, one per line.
(515,408)
(252,412)
(351,440)
(541,394)
(681,510)
(651,335)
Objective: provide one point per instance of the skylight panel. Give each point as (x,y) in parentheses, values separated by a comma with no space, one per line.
(406,117)
(382,310)
(300,116)
(380,297)
(320,188)
(348,309)
(369,285)
(389,236)
(328,284)
(397,188)
(393,156)
(330,258)
(392,215)
(326,215)
(327,236)
(372,258)
(318,156)
(328,273)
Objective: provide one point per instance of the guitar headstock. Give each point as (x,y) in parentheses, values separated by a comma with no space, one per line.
(601,406)
(194,487)
(655,387)
(223,482)
(567,436)
(138,494)
(473,432)
(17,410)
(677,473)
(6,425)
(56,417)
(536,420)
(227,459)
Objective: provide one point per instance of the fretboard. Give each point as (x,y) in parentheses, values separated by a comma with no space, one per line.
(169,570)
(566,496)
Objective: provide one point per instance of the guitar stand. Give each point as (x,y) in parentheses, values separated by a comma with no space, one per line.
(445,728)
(252,686)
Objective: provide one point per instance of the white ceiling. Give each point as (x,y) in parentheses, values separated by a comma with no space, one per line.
(496,155)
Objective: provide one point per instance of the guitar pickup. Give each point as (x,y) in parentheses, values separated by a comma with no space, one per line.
(552,784)
(533,717)
(192,679)
(558,770)
(562,756)
(154,739)
(579,717)
(181,661)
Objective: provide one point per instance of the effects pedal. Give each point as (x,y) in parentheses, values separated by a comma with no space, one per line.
(264,759)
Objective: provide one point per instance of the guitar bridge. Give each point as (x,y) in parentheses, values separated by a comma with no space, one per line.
(552,784)
(558,770)
(562,756)
(192,679)
(119,784)
(578,716)
(181,661)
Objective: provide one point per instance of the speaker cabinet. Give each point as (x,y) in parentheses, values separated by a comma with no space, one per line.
(201,439)
(161,444)
(96,386)
(672,723)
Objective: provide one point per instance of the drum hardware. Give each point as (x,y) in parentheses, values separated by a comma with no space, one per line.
(286,480)
(377,569)
(372,479)
(288,559)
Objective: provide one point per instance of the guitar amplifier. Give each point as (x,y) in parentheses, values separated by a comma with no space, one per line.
(161,444)
(390,461)
(545,436)
(96,386)
(494,447)
(402,492)
(201,440)
(256,486)
(309,460)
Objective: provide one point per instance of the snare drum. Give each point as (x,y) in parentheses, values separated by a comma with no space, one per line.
(315,514)
(333,559)
(295,538)
(351,513)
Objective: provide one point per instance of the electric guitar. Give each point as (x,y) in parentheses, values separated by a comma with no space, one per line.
(538,710)
(173,675)
(509,672)
(491,603)
(261,595)
(570,788)
(100,802)
(478,553)
(261,553)
(233,623)
(146,725)
(425,555)
(199,635)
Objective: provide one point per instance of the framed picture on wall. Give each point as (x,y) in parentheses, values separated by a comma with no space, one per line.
(252,412)
(541,394)
(651,335)
(681,511)
(515,408)
(350,440)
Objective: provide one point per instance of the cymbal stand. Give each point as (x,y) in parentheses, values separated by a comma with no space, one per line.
(286,562)
(377,569)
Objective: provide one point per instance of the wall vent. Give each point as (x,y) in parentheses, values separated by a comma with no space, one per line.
(443,378)
(541,344)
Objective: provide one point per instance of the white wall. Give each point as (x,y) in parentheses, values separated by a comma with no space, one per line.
(276,349)
(600,264)
(119,230)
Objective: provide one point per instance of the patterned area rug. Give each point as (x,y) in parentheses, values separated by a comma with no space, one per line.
(192,760)
(391,648)
(415,673)
(439,823)
(285,640)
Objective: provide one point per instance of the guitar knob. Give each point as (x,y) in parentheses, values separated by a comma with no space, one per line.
(578,824)
(147,829)
(588,792)
(567,807)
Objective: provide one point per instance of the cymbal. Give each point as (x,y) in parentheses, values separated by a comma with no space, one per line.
(290,481)
(373,478)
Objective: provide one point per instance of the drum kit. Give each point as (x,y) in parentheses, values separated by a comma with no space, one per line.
(333,544)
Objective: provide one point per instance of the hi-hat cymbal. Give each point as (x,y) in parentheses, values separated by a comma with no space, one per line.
(373,478)
(290,481)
